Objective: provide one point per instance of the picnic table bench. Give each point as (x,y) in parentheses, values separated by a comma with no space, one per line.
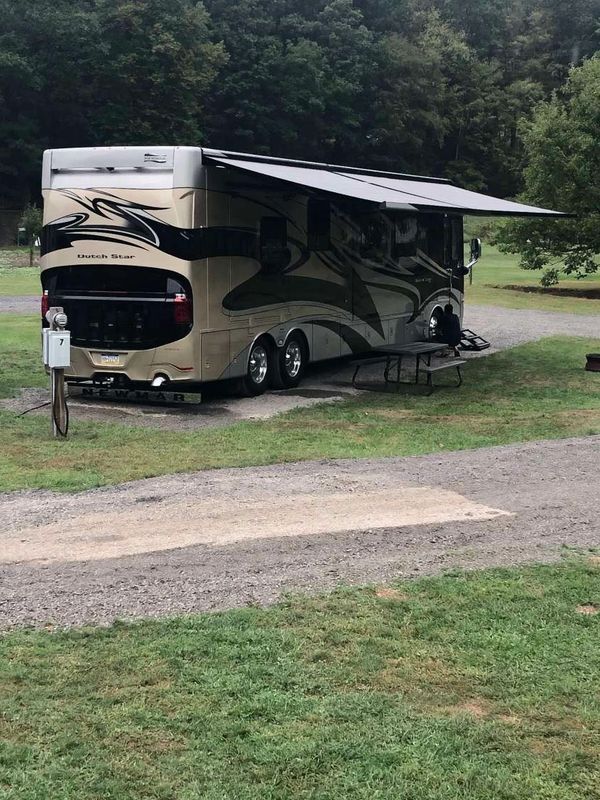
(421,351)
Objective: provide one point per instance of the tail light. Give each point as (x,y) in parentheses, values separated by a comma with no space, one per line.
(182,309)
(45,303)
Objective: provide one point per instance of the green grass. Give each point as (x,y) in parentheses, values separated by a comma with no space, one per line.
(535,391)
(496,269)
(20,353)
(478,686)
(16,276)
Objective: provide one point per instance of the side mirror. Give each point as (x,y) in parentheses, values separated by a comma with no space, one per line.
(475,249)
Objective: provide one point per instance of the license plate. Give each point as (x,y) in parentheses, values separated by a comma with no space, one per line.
(110,359)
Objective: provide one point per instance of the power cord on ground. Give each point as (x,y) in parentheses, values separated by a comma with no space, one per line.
(55,414)
(35,408)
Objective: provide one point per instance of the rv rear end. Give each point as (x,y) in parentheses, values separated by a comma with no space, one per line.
(111,258)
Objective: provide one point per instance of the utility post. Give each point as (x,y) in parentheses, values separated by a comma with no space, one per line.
(56,342)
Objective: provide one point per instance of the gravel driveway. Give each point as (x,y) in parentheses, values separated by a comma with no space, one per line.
(494,506)
(21,304)
(507,327)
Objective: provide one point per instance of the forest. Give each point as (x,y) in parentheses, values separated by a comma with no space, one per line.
(440,87)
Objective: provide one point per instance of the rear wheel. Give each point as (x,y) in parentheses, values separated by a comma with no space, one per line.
(291,362)
(258,373)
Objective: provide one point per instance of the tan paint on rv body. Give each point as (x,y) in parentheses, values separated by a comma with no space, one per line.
(140,365)
(179,207)
(172,206)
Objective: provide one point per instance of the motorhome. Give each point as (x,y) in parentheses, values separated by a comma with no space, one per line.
(184,265)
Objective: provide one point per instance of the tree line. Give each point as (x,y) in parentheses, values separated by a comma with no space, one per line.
(438,87)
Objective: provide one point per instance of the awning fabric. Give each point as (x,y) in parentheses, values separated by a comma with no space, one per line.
(398,193)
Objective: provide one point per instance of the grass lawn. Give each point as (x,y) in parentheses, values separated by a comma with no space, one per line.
(16,276)
(496,269)
(480,685)
(535,391)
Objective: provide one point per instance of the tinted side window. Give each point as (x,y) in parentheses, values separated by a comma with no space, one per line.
(318,223)
(274,252)
(457,245)
(431,237)
(405,236)
(374,236)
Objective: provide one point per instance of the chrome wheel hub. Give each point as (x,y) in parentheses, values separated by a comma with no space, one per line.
(293,359)
(434,327)
(259,363)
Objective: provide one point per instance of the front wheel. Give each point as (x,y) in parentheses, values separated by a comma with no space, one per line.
(258,373)
(291,363)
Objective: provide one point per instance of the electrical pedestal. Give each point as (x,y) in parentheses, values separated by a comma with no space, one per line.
(56,349)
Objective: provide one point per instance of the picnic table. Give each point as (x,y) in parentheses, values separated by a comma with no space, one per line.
(387,354)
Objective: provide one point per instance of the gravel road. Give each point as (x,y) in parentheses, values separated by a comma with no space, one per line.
(21,304)
(507,327)
(495,506)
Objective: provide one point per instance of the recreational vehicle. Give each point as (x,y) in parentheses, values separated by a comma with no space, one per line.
(184,265)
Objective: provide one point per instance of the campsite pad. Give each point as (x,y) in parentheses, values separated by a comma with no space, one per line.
(214,411)
(149,527)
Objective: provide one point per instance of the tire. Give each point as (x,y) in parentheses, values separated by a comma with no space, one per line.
(260,368)
(291,362)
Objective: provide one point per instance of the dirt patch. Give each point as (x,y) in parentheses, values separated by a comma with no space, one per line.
(560,735)
(510,719)
(570,421)
(588,609)
(480,708)
(591,293)
(580,413)
(426,680)
(387,593)
(475,708)
(392,413)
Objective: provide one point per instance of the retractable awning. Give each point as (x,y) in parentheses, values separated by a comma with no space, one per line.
(389,191)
